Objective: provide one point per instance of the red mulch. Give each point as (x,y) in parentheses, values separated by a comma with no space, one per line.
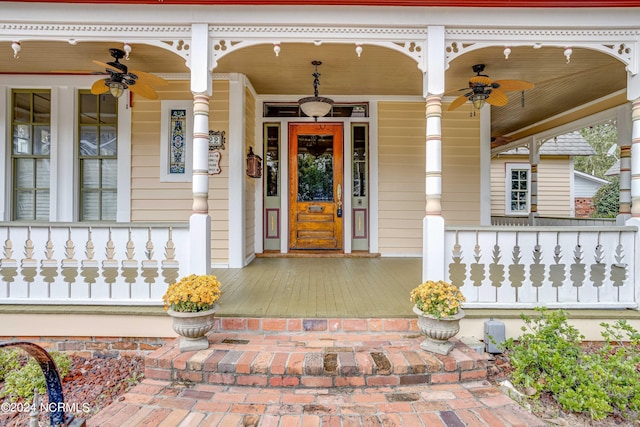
(92,384)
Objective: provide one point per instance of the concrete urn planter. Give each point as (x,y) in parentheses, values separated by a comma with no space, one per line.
(193,328)
(438,331)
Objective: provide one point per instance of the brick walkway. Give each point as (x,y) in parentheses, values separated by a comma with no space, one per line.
(315,378)
(161,403)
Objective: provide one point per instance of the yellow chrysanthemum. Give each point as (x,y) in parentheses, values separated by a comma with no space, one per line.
(193,293)
(439,299)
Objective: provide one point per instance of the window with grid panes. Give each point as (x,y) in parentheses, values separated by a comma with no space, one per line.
(31,135)
(518,188)
(97,151)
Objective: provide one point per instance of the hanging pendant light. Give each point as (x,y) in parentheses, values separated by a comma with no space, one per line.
(315,106)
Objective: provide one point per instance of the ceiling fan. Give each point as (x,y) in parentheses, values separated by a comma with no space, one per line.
(119,78)
(482,89)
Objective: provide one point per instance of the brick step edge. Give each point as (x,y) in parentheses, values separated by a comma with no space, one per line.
(325,368)
(267,325)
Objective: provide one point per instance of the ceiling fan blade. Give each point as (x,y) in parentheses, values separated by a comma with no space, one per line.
(105,65)
(458,102)
(451,92)
(149,78)
(507,85)
(80,72)
(497,98)
(144,90)
(480,81)
(99,87)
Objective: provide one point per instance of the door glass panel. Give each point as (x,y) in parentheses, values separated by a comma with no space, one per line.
(359,162)
(273,160)
(315,168)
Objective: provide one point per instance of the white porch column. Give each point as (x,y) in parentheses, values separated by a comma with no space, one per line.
(534,160)
(200,221)
(635,159)
(633,94)
(623,124)
(433,223)
(237,179)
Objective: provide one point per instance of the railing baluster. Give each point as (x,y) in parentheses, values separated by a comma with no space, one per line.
(538,272)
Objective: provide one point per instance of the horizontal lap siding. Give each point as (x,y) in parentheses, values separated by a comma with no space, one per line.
(554,194)
(460,167)
(401,136)
(401,166)
(554,190)
(219,184)
(152,200)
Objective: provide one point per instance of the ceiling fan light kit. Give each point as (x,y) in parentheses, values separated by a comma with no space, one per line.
(116,88)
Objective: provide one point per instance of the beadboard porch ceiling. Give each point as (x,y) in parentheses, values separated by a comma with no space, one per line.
(560,86)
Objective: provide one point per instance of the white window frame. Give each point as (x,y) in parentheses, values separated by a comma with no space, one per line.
(509,167)
(64,179)
(165,137)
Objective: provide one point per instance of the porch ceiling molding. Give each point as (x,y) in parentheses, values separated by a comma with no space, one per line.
(409,41)
(174,38)
(620,44)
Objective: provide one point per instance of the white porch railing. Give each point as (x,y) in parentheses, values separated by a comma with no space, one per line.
(562,267)
(544,221)
(90,264)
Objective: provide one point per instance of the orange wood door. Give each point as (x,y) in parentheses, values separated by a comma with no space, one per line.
(315,186)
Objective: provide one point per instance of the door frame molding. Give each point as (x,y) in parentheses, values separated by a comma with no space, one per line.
(372,119)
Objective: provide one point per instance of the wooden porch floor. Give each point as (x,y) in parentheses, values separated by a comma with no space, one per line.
(320,287)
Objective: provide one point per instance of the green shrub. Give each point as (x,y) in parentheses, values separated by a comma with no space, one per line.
(9,361)
(22,382)
(549,358)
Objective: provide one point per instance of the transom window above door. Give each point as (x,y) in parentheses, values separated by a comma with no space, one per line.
(285,109)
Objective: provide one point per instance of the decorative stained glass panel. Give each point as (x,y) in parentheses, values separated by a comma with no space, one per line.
(177,163)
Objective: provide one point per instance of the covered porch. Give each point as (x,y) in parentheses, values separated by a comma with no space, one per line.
(340,295)
(320,287)
(427,207)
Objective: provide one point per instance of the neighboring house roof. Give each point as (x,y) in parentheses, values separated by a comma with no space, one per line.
(569,144)
(586,185)
(613,170)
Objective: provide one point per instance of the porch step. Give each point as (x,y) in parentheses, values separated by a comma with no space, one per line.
(315,359)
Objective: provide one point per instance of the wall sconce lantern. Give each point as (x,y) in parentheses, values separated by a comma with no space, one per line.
(254,165)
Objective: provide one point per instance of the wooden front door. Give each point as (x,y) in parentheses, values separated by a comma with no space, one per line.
(315,186)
